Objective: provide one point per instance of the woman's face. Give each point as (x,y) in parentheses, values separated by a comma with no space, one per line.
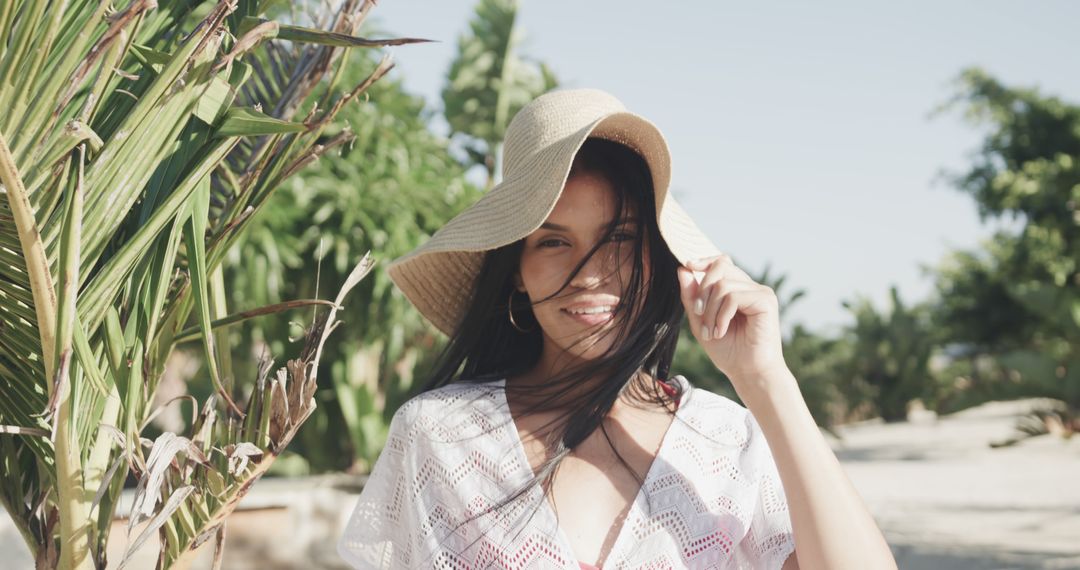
(585,208)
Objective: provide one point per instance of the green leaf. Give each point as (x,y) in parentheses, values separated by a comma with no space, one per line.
(245,121)
(216,482)
(87,359)
(323,37)
(195,240)
(67,287)
(151,59)
(215,100)
(221,93)
(191,333)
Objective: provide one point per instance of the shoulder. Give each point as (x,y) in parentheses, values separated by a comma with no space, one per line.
(444,398)
(717,418)
(721,436)
(449,412)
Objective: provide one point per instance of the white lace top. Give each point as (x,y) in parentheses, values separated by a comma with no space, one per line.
(712,498)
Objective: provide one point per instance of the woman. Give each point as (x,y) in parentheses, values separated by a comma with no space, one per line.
(550,435)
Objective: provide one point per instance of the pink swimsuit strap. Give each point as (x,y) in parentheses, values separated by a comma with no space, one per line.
(668,389)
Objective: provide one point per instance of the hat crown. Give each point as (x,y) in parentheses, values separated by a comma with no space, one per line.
(440,276)
(553,117)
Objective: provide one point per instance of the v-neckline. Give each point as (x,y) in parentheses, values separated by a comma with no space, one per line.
(549,510)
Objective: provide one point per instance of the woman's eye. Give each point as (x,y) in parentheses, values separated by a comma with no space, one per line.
(620,236)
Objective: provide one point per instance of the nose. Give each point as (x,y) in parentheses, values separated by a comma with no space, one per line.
(595,270)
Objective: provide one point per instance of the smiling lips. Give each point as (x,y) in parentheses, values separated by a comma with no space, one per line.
(592,312)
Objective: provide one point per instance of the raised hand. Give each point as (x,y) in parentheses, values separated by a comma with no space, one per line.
(736,319)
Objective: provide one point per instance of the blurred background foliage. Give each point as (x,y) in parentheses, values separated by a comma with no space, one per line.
(387,192)
(1003,322)
(489,82)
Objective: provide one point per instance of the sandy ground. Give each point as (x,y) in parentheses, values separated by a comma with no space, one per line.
(947,500)
(944,499)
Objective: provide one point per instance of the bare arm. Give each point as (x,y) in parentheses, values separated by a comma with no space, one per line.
(832,526)
(737,321)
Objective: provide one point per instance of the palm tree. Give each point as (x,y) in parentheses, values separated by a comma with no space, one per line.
(891,355)
(134,147)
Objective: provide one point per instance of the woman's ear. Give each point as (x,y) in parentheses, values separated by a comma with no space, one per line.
(518,283)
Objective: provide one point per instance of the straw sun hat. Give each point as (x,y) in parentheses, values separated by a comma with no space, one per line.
(438,277)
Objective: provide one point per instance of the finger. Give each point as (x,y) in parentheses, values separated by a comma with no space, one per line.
(708,299)
(688,291)
(702,263)
(727,263)
(714,272)
(749,302)
(727,312)
(718,296)
(721,268)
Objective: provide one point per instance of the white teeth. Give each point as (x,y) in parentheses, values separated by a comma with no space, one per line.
(591,311)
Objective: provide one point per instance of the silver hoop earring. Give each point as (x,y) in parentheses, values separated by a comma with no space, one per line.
(510,311)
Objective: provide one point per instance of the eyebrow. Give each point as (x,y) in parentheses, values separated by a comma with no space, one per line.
(561,228)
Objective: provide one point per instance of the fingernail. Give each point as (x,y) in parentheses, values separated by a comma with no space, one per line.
(716,332)
(705,332)
(699,306)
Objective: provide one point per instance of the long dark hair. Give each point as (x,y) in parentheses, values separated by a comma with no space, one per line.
(485,346)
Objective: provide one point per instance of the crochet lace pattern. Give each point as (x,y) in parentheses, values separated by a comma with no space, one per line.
(712,498)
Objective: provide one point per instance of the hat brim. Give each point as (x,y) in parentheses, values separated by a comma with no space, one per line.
(438,277)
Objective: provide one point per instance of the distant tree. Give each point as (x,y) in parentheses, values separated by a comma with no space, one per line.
(1019,298)
(489,82)
(777,284)
(821,363)
(890,358)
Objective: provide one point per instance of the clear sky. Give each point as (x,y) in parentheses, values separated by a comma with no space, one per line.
(800,132)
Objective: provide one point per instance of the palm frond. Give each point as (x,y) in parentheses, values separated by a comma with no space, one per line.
(133,152)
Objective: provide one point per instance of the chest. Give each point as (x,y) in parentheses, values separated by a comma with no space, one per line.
(593,490)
